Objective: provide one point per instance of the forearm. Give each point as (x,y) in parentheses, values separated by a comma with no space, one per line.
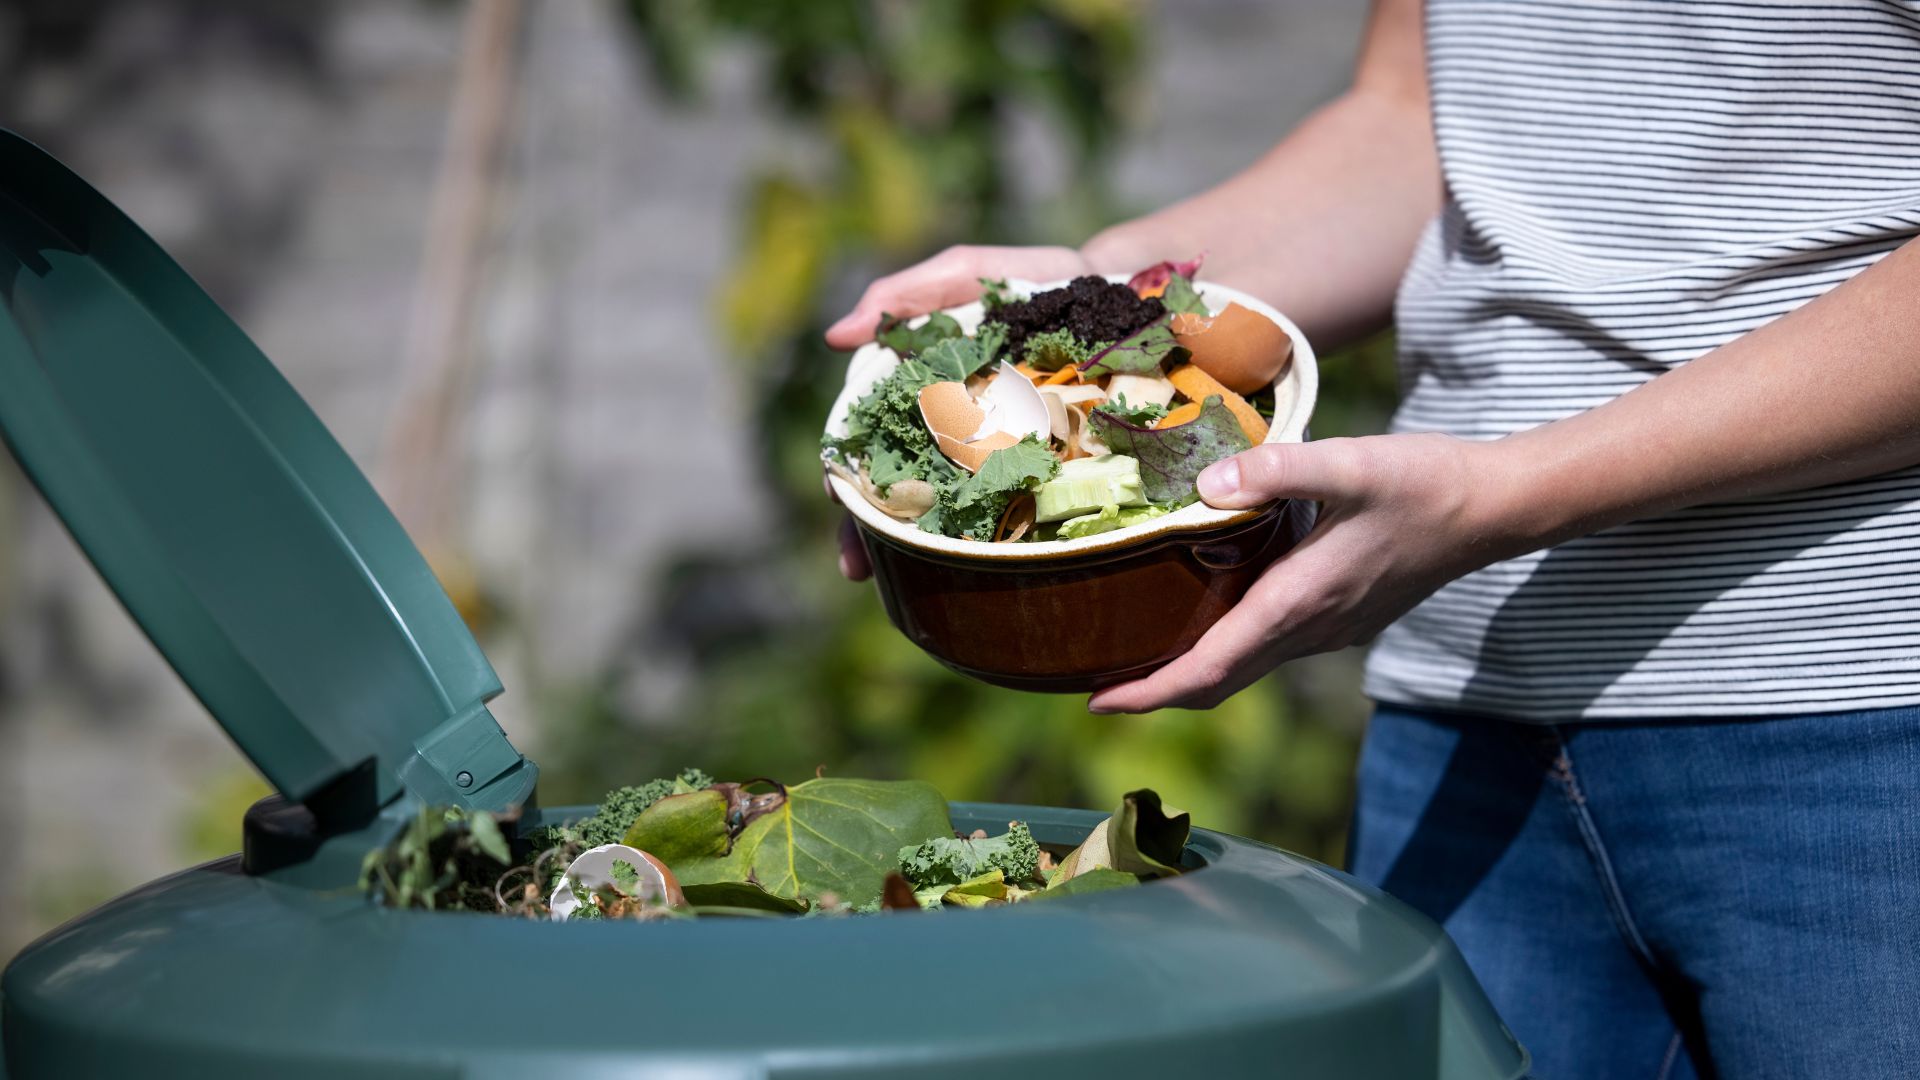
(1321,227)
(1830,392)
(1324,224)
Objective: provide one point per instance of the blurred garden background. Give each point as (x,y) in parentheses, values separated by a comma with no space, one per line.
(554,271)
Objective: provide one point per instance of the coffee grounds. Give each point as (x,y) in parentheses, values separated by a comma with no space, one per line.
(1094,309)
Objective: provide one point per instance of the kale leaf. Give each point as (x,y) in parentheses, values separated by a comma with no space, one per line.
(885,431)
(1145,415)
(947,861)
(954,359)
(972,507)
(626,875)
(1055,349)
(622,805)
(995,293)
(895,334)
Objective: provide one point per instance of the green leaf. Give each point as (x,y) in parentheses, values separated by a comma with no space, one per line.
(952,861)
(957,358)
(884,429)
(1182,297)
(895,334)
(680,828)
(972,507)
(1142,352)
(994,292)
(1091,881)
(1144,416)
(987,888)
(626,876)
(1055,349)
(1171,459)
(487,837)
(622,805)
(830,835)
(740,896)
(1107,519)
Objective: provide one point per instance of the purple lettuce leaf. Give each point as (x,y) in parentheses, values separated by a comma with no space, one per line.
(1159,274)
(1142,352)
(1171,459)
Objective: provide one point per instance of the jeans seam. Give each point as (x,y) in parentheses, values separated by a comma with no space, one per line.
(1575,800)
(1674,1046)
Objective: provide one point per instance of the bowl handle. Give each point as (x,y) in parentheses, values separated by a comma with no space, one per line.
(1238,550)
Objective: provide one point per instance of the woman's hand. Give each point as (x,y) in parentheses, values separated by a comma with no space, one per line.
(949,278)
(1400,516)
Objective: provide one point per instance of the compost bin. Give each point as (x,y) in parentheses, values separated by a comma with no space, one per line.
(271,576)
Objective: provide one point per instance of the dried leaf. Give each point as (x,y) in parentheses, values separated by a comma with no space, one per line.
(1143,837)
(1092,881)
(988,888)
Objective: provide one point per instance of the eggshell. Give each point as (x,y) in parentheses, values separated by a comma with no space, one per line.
(593,868)
(1085,441)
(1242,348)
(1012,405)
(1141,389)
(1057,417)
(1058,398)
(949,410)
(972,455)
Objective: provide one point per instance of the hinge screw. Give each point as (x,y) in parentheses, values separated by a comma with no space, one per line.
(465,779)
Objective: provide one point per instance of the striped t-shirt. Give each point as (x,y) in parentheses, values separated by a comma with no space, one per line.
(1631,183)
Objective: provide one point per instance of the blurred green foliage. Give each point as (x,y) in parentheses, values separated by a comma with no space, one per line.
(908,105)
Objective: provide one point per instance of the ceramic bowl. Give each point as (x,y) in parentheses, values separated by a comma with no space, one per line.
(1077,615)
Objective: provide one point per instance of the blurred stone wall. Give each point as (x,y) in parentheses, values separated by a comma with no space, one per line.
(285,151)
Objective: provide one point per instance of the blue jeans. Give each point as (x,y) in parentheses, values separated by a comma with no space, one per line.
(1716,899)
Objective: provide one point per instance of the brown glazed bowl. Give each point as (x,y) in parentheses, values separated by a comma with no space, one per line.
(1077,623)
(1073,616)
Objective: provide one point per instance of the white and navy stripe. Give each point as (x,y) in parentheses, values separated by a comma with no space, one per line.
(1632,183)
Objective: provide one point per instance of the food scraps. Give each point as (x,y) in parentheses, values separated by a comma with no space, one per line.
(760,849)
(1029,428)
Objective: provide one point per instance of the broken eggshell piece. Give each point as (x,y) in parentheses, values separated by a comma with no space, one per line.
(1242,348)
(1060,401)
(968,430)
(1141,389)
(1013,406)
(593,870)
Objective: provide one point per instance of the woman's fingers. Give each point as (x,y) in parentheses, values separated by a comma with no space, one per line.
(1320,471)
(1244,645)
(853,554)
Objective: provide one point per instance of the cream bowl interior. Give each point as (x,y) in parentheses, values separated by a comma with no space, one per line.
(1294,394)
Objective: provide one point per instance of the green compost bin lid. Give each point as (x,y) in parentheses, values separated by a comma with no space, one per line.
(237,532)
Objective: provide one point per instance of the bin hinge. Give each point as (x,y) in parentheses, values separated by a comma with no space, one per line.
(462,757)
